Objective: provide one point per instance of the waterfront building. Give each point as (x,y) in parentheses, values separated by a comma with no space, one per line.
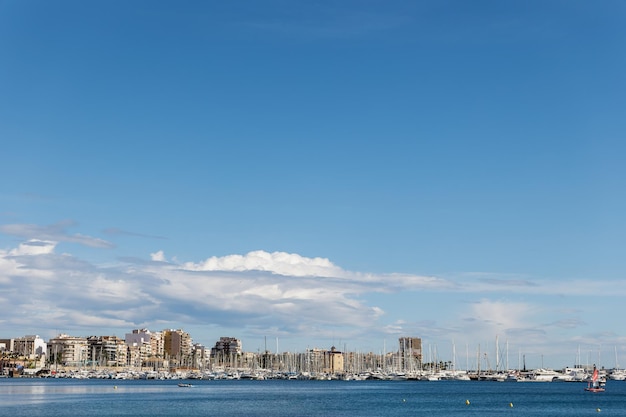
(201,356)
(68,350)
(227,346)
(140,337)
(146,348)
(177,345)
(32,349)
(333,361)
(140,343)
(6,345)
(157,344)
(226,351)
(410,352)
(106,351)
(314,361)
(24,355)
(138,355)
(30,346)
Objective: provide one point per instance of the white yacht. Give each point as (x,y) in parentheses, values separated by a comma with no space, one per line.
(575,374)
(544,375)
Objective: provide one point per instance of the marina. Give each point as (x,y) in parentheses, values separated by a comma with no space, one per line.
(581,375)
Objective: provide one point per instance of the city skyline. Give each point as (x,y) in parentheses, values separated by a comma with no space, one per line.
(317,173)
(489,358)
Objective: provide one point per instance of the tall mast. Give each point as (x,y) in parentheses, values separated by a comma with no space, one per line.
(497,354)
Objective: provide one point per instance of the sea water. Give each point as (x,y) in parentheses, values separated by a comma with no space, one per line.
(277,398)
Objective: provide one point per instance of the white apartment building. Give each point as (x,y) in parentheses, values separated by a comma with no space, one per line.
(68,350)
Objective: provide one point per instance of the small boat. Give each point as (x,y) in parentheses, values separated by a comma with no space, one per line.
(594,385)
(185,385)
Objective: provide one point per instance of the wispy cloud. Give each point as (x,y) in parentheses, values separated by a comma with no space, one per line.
(508,282)
(499,315)
(483,282)
(55,232)
(569,323)
(114,231)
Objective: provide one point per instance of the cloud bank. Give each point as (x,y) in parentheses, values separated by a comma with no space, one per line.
(267,293)
(258,291)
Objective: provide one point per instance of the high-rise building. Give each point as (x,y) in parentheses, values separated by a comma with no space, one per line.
(157,346)
(201,356)
(177,343)
(106,351)
(226,346)
(67,350)
(410,349)
(140,340)
(139,343)
(30,346)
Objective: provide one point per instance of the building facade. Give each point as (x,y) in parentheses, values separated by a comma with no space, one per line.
(140,343)
(31,346)
(106,351)
(177,346)
(333,361)
(227,346)
(410,351)
(226,351)
(68,350)
(6,345)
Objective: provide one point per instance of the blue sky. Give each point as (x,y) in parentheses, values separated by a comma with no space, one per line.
(318,172)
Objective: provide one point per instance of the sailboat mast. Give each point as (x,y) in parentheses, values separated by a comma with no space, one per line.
(497,354)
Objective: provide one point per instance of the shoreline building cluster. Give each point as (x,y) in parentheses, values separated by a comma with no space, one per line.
(172,354)
(173,350)
(138,349)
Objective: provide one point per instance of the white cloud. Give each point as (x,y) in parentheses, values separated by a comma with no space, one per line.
(158,256)
(282,263)
(34,247)
(11,266)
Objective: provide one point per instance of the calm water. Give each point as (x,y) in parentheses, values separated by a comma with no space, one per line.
(276,398)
